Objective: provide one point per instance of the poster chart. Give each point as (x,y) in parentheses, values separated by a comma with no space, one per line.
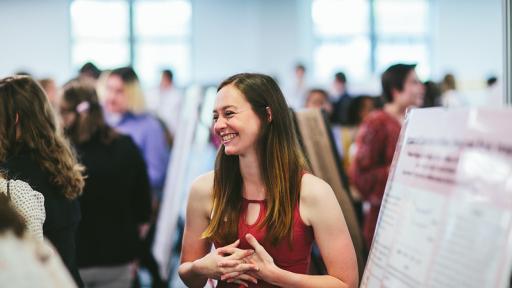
(319,147)
(445,220)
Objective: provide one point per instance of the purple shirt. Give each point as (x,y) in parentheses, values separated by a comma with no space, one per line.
(149,136)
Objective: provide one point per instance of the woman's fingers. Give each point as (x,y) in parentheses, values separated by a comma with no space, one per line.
(239,282)
(246,278)
(229,263)
(235,253)
(253,242)
(234,244)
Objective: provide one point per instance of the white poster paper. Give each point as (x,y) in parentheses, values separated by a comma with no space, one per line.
(445,220)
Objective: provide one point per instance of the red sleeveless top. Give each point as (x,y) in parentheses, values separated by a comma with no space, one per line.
(294,258)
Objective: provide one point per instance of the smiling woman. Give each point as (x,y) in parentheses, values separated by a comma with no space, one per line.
(260,207)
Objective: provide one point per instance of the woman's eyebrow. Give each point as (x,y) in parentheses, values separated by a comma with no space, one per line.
(224,108)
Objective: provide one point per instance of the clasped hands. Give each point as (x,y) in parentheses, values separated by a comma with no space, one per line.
(235,265)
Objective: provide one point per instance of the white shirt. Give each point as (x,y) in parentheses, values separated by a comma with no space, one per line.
(28,203)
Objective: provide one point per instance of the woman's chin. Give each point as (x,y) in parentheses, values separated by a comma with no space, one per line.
(230,151)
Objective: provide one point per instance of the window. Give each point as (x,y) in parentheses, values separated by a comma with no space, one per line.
(150,35)
(363,37)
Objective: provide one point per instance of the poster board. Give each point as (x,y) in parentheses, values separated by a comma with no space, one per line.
(446,215)
(318,144)
(191,156)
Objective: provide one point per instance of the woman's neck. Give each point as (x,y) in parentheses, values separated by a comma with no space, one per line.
(253,186)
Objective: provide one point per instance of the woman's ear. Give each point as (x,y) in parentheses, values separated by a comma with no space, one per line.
(269,114)
(17,120)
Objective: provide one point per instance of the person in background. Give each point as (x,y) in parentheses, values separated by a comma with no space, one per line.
(297,89)
(89,73)
(169,102)
(125,111)
(340,99)
(377,138)
(27,261)
(319,99)
(432,95)
(27,202)
(32,149)
(51,89)
(116,201)
(450,97)
(260,207)
(359,108)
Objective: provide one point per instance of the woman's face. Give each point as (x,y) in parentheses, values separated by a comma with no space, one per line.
(116,100)
(67,115)
(237,125)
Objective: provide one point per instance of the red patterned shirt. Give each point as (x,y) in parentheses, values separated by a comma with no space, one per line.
(375,143)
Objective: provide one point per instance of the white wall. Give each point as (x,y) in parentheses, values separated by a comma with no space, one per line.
(467,40)
(34,36)
(269,36)
(232,36)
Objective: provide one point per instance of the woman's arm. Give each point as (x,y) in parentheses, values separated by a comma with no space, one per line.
(318,208)
(197,219)
(197,262)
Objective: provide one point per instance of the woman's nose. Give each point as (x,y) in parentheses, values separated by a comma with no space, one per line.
(219,124)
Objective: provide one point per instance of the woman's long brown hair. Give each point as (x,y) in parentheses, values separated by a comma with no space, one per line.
(23,99)
(281,163)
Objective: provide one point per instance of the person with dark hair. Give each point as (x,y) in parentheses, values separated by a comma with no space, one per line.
(378,136)
(319,99)
(432,94)
(260,207)
(358,109)
(89,71)
(32,149)
(125,112)
(116,200)
(341,99)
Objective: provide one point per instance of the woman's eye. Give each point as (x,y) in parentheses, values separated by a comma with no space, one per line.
(229,114)
(215,118)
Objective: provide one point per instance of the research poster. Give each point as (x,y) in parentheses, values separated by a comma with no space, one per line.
(445,219)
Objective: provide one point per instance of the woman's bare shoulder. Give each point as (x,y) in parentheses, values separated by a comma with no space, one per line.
(203,184)
(313,187)
(315,195)
(201,191)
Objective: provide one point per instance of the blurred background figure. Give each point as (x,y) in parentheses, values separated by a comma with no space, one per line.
(116,202)
(377,137)
(450,97)
(34,150)
(51,89)
(319,99)
(89,73)
(295,92)
(432,95)
(168,101)
(125,111)
(27,202)
(340,99)
(25,260)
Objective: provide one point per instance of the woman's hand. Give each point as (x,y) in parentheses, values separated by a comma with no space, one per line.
(265,267)
(210,265)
